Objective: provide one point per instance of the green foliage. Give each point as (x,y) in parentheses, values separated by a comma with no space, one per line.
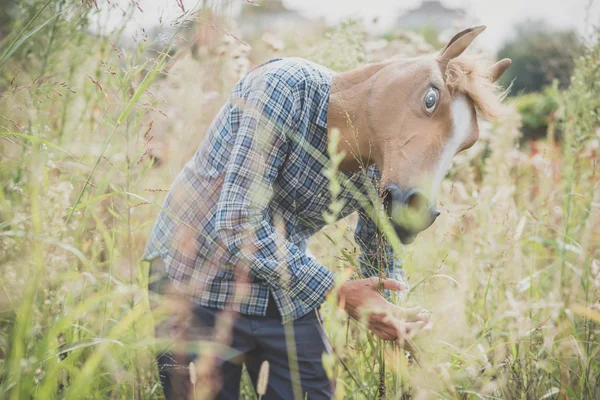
(431,35)
(536,110)
(343,47)
(539,56)
(7,16)
(579,273)
(71,321)
(582,101)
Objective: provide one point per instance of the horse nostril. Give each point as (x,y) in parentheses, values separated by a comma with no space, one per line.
(412,201)
(410,211)
(417,202)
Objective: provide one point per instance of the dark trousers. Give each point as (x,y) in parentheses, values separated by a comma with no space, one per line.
(218,343)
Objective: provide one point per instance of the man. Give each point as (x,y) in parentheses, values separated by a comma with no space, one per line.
(234,227)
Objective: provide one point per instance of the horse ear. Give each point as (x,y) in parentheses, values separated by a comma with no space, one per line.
(458,44)
(498,69)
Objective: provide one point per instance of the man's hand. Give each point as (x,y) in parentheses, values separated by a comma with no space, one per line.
(362,300)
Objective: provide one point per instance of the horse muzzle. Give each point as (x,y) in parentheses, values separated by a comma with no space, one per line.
(410,211)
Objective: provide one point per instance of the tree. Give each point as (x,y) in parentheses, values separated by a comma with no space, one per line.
(6,17)
(540,55)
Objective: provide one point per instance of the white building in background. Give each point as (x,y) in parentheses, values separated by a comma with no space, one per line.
(431,13)
(268,15)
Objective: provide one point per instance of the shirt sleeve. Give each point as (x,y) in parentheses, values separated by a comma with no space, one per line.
(243,224)
(377,257)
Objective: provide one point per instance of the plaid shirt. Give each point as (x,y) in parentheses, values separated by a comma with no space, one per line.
(236,221)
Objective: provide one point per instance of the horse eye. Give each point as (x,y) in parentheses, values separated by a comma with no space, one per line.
(431,99)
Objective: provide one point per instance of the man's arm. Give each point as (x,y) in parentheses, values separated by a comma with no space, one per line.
(362,298)
(258,151)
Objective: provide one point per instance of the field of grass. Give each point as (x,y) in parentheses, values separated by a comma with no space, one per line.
(92,132)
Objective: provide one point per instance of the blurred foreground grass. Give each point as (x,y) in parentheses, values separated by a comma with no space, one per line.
(92,133)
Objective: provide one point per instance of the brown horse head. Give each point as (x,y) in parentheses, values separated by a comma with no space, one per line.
(411,116)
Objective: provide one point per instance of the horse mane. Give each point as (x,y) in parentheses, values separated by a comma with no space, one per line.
(469,74)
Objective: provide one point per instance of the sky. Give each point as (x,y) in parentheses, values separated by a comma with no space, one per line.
(499,15)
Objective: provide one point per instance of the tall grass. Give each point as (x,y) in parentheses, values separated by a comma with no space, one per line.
(93,132)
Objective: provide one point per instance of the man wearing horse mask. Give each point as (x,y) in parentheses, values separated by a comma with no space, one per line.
(230,242)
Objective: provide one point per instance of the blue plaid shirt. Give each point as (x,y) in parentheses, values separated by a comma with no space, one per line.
(236,221)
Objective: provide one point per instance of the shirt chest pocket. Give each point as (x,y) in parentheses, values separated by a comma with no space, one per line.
(306,185)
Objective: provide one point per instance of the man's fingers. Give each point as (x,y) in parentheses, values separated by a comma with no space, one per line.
(384,321)
(428,327)
(407,331)
(423,315)
(384,332)
(412,328)
(391,284)
(393,311)
(379,326)
(383,326)
(385,335)
(410,314)
(389,328)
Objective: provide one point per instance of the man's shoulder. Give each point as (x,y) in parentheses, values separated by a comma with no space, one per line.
(293,71)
